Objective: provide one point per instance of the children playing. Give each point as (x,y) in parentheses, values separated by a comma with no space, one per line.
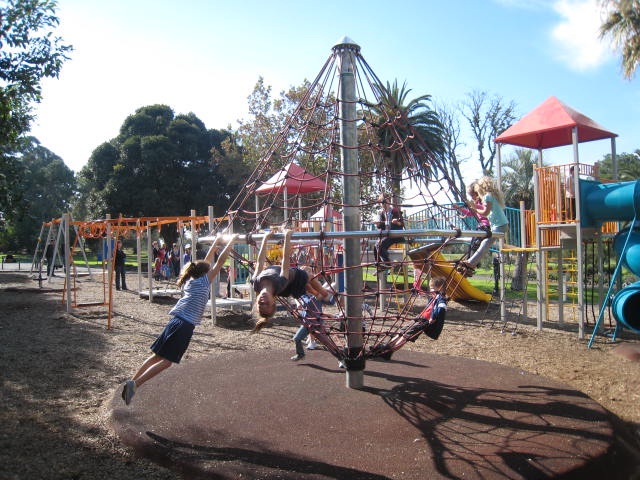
(430,321)
(389,218)
(282,281)
(170,346)
(493,208)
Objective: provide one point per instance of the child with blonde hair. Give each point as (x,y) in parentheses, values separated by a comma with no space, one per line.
(493,208)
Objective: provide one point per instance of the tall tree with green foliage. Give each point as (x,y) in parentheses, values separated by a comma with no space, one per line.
(487,117)
(517,180)
(622,26)
(628,166)
(47,190)
(161,164)
(29,52)
(288,127)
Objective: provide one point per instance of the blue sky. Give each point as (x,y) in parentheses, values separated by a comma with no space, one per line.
(205,57)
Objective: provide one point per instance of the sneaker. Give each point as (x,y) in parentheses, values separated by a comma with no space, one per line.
(128,391)
(297,357)
(341,364)
(312,345)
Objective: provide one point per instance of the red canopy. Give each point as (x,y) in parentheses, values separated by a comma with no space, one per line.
(549,125)
(292,179)
(326,212)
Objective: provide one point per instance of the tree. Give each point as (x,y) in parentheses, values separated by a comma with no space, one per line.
(517,181)
(398,118)
(28,53)
(290,127)
(488,118)
(452,143)
(160,164)
(47,190)
(628,166)
(622,26)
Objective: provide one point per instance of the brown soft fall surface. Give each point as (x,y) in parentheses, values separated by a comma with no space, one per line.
(60,370)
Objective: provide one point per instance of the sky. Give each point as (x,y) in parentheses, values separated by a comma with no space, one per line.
(205,56)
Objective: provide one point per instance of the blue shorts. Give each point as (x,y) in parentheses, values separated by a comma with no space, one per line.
(174,340)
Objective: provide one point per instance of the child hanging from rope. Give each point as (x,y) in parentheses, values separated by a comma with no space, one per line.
(282,281)
(430,321)
(312,320)
(170,346)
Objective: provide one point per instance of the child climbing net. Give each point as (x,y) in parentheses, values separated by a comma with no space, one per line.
(303,171)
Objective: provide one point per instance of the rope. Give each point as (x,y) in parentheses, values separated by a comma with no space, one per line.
(301,172)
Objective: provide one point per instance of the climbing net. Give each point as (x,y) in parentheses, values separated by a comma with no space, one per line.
(297,184)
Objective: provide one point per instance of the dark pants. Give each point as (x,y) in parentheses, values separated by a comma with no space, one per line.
(120,274)
(49,266)
(382,248)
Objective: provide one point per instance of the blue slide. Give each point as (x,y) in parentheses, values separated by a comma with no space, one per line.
(607,202)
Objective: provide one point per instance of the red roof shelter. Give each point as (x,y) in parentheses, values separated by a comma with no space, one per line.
(550,125)
(292,179)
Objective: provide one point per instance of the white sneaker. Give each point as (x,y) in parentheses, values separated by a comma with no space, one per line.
(341,364)
(297,357)
(312,344)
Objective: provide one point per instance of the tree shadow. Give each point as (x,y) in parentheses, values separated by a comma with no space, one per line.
(531,431)
(195,461)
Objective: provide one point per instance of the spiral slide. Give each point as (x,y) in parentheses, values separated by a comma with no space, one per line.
(618,202)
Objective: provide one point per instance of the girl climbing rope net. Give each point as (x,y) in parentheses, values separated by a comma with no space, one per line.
(310,167)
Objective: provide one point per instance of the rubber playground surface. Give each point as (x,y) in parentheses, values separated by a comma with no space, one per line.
(420,415)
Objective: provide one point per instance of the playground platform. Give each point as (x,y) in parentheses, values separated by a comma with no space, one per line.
(259,415)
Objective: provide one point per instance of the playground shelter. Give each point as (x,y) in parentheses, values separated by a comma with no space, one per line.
(558,224)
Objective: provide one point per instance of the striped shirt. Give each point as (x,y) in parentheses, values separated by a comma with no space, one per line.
(191,305)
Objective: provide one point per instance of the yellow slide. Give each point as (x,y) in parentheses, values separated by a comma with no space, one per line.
(458,288)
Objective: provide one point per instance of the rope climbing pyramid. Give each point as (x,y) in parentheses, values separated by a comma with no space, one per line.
(349,142)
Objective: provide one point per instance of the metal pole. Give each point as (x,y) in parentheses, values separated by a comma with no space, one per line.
(139,254)
(215,286)
(35,254)
(347,49)
(358,234)
(524,273)
(503,305)
(66,258)
(579,246)
(150,263)
(536,199)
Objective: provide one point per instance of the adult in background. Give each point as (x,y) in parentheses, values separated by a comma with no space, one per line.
(174,260)
(120,267)
(48,253)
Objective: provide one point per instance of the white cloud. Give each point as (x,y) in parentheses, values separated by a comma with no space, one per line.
(576,37)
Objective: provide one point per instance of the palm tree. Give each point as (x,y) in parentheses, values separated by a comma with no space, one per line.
(405,126)
(518,179)
(622,25)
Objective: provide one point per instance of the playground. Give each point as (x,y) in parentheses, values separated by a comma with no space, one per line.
(62,371)
(510,390)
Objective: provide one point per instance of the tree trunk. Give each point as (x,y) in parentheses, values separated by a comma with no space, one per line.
(520,268)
